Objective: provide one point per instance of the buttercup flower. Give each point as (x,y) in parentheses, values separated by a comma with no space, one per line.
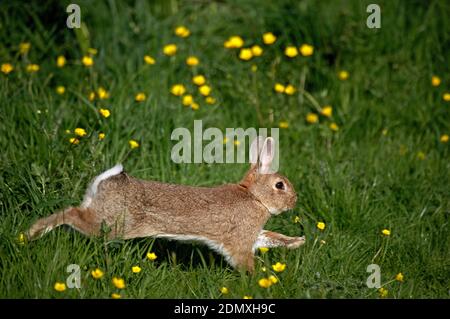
(32,68)
(399,277)
(187,100)
(297,219)
(291,51)
(97,273)
(24,47)
(133,144)
(101,136)
(91,96)
(192,61)
(263,249)
(386,232)
(140,97)
(269,38)
(136,269)
(435,80)
(224,290)
(312,118)
(444,138)
(210,100)
(283,124)
(170,49)
(383,292)
(59,286)
(205,90)
(264,283)
(60,61)
(87,61)
(178,89)
(74,141)
(7,68)
(263,269)
(327,111)
(195,106)
(234,42)
(279,88)
(105,113)
(199,80)
(247,297)
(306,50)
(245,54)
(446,97)
(21,238)
(343,75)
(60,89)
(279,267)
(119,283)
(102,93)
(116,296)
(321,225)
(149,60)
(289,90)
(273,279)
(334,127)
(182,32)
(151,256)
(80,131)
(257,50)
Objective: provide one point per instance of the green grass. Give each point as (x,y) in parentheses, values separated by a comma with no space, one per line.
(358,180)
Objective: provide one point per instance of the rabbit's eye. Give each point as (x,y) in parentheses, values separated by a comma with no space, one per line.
(279,185)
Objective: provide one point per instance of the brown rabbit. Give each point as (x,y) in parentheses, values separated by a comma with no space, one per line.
(228,218)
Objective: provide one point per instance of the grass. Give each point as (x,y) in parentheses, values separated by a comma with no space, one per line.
(366,177)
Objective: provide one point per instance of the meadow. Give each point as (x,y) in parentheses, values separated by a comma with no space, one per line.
(364,118)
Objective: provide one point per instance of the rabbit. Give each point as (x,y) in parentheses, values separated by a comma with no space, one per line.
(228,218)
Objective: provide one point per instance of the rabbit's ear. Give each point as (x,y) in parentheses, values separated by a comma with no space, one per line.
(267,155)
(255,150)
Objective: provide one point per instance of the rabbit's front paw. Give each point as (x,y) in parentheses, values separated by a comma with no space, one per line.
(296,242)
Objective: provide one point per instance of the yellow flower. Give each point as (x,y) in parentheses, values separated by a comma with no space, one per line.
(210,100)
(140,97)
(87,61)
(192,61)
(312,118)
(92,51)
(264,283)
(421,155)
(149,60)
(444,138)
(182,32)
(245,54)
(279,88)
(327,111)
(263,249)
(116,296)
(7,68)
(234,42)
(289,90)
(24,47)
(343,75)
(80,131)
(119,283)
(254,68)
(136,269)
(263,269)
(74,141)
(199,80)
(383,292)
(60,89)
(269,38)
(59,286)
(322,242)
(247,297)
(386,232)
(21,238)
(105,113)
(257,50)
(187,100)
(91,96)
(283,124)
(306,49)
(297,219)
(205,90)
(435,80)
(60,61)
(237,143)
(195,106)
(291,51)
(446,97)
(334,127)
(224,290)
(321,225)
(97,273)
(273,279)
(32,68)
(151,256)
(279,267)
(101,136)
(178,89)
(102,93)
(170,49)
(133,144)
(399,277)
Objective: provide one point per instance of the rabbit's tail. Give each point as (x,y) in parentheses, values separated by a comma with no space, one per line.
(92,189)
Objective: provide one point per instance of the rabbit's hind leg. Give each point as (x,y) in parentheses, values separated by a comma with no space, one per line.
(272,239)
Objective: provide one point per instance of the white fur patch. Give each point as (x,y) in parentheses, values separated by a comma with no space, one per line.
(92,189)
(210,243)
(263,241)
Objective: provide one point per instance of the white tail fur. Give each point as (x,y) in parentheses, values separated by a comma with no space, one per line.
(92,189)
